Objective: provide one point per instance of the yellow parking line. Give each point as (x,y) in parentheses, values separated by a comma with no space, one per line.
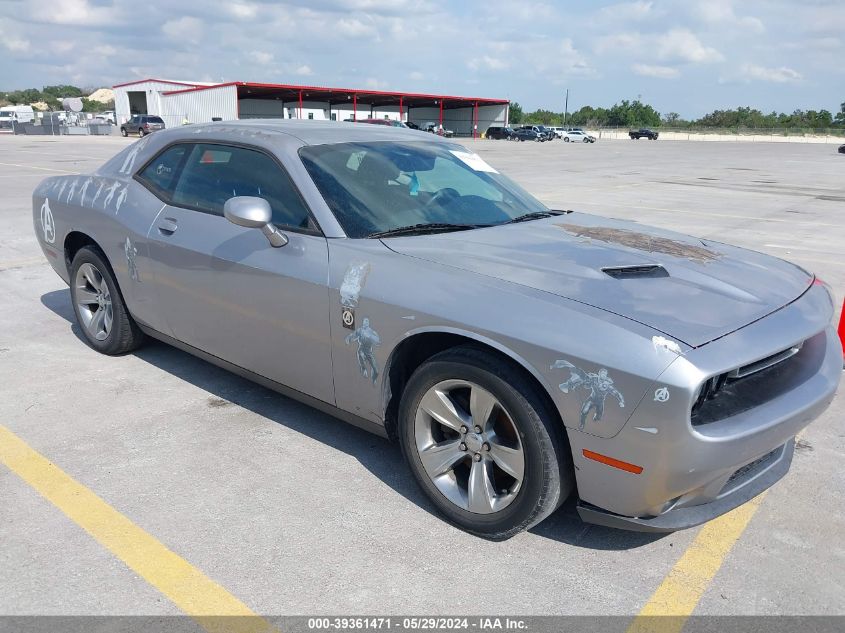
(185,585)
(679,593)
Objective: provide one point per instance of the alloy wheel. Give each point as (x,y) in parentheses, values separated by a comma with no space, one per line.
(93,301)
(469,446)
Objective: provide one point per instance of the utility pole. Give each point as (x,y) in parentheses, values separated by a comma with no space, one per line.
(566,108)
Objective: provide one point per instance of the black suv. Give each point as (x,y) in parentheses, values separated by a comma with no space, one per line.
(142,124)
(498,132)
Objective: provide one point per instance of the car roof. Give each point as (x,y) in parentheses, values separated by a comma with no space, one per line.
(311,132)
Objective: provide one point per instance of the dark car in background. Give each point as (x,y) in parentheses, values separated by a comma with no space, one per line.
(142,124)
(842,149)
(528,134)
(548,132)
(643,132)
(498,132)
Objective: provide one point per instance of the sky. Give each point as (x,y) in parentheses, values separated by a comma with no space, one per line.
(684,56)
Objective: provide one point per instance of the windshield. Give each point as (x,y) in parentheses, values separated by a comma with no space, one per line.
(381,186)
(5,115)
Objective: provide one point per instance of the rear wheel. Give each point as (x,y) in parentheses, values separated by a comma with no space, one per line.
(99,307)
(482,443)
(141,131)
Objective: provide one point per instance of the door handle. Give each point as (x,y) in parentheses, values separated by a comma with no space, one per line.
(167,226)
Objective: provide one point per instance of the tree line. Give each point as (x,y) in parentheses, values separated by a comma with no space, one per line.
(637,114)
(52,96)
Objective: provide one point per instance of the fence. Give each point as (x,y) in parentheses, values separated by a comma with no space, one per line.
(697,133)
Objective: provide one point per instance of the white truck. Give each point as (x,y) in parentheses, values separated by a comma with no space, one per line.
(14,114)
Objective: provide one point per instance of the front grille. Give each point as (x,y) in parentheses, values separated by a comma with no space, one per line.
(752,384)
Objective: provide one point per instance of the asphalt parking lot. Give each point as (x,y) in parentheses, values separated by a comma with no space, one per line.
(294,512)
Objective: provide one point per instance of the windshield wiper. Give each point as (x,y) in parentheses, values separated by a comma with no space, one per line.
(534,215)
(422,229)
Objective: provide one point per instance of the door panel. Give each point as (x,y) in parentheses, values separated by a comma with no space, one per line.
(225,290)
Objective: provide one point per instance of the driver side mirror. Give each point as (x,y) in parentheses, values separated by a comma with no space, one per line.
(254,213)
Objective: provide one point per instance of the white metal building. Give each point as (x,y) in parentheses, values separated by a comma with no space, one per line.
(196,102)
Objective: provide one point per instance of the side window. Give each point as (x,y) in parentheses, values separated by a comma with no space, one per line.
(214,173)
(160,174)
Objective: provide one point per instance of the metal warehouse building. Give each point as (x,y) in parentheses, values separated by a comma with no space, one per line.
(198,102)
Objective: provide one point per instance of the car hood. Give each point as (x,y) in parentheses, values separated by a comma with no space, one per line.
(692,290)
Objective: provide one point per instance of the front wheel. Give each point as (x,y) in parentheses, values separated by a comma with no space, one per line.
(99,307)
(483,444)
(123,132)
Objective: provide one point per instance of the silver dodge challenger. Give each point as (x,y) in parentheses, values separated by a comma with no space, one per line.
(518,354)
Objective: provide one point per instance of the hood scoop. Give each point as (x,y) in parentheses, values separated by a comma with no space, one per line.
(648,271)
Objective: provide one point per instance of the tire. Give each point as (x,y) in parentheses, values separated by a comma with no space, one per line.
(519,422)
(92,283)
(565,139)
(141,132)
(123,132)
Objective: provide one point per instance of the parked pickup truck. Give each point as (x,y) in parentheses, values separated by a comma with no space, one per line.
(643,132)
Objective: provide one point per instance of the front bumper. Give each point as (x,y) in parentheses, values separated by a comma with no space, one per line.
(689,473)
(690,516)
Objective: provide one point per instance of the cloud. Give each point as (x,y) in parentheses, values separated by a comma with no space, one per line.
(262,58)
(677,45)
(781,75)
(184,29)
(10,40)
(684,45)
(486,62)
(660,72)
(627,10)
(721,12)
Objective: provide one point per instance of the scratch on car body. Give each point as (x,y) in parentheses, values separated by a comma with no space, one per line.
(121,198)
(110,191)
(99,191)
(88,182)
(367,339)
(353,283)
(129,161)
(661,342)
(72,190)
(131,252)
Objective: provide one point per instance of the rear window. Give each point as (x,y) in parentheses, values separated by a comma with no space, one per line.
(154,119)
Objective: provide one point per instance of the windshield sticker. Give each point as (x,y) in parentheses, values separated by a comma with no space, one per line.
(473,161)
(353,282)
(131,252)
(367,339)
(599,385)
(47,225)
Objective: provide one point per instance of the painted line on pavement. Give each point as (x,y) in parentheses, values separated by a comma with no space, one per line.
(679,593)
(214,608)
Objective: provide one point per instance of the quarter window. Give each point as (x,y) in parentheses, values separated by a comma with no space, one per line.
(160,174)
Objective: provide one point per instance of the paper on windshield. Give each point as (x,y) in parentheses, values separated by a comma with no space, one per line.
(474,161)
